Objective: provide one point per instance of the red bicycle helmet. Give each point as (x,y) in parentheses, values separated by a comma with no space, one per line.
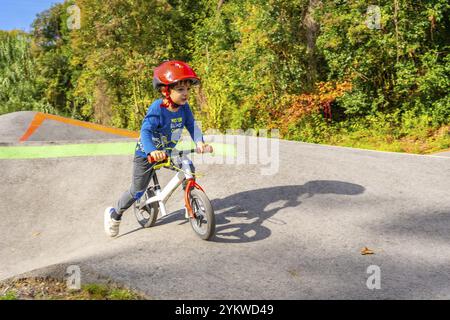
(171,72)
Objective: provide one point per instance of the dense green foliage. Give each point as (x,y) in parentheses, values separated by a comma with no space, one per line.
(18,75)
(404,65)
(315,69)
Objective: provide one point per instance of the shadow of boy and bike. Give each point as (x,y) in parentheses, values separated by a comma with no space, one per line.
(240,216)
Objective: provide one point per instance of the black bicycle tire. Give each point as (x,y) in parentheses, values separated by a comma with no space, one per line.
(209,212)
(153,214)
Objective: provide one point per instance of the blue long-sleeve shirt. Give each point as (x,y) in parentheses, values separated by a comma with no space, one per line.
(162,128)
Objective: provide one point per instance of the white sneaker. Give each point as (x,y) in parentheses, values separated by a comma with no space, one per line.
(111,225)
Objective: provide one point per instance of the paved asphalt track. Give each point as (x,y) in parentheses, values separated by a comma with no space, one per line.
(295,234)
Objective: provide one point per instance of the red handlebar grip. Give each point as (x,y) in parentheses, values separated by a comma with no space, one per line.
(152,160)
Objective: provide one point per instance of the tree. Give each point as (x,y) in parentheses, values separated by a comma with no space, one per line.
(403,65)
(51,50)
(18,71)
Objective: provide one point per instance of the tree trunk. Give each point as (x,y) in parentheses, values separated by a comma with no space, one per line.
(396,11)
(219,4)
(312,30)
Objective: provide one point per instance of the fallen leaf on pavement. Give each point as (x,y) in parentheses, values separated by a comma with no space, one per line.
(366,250)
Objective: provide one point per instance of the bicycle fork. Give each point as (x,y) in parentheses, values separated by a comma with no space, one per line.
(188,169)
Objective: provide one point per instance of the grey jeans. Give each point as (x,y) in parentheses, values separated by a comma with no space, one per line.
(142,174)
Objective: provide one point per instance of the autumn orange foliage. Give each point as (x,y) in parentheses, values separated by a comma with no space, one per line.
(296,107)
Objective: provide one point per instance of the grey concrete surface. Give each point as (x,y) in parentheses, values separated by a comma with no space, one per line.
(14,125)
(59,131)
(443,154)
(296,234)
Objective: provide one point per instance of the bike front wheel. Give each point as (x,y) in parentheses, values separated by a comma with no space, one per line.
(204,223)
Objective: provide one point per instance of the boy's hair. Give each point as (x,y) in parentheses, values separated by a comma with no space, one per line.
(182,82)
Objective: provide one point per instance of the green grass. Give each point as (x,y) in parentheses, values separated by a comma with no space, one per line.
(408,134)
(102,292)
(434,140)
(9,295)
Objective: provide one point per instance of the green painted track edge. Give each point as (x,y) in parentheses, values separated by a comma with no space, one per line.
(92,149)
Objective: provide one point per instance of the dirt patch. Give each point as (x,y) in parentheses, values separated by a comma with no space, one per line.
(53,289)
(51,283)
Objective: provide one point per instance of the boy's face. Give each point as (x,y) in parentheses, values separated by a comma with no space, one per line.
(180,93)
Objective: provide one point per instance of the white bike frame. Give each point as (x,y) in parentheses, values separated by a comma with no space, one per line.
(162,195)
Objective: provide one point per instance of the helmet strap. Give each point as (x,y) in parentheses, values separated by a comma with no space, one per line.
(167,101)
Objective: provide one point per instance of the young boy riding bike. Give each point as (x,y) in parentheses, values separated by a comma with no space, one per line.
(161,128)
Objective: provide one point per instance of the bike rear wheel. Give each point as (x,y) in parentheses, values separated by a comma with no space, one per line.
(204,224)
(147,215)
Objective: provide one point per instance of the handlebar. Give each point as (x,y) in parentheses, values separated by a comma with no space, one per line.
(179,153)
(152,160)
